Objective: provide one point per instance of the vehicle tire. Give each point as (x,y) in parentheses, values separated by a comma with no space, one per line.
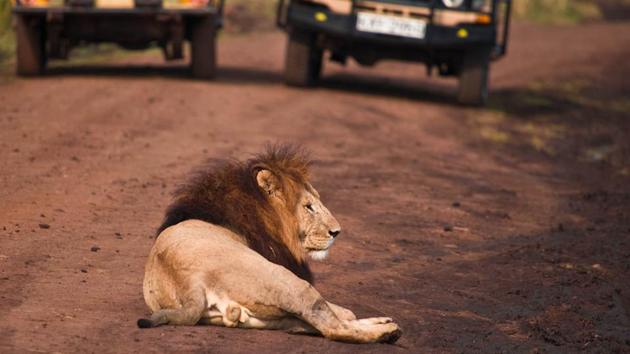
(473,77)
(31,45)
(303,61)
(203,48)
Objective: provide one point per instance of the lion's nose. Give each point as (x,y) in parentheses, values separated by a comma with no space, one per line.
(334,233)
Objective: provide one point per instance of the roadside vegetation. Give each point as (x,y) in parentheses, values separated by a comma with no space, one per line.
(558,11)
(7,41)
(574,119)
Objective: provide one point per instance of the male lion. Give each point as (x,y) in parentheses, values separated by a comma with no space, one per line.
(231,252)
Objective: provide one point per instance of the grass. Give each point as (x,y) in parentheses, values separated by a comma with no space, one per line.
(556,11)
(7,40)
(574,119)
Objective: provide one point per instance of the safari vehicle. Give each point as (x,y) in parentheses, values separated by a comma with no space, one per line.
(458,37)
(49,29)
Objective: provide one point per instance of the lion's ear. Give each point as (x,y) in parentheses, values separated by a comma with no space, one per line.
(268,182)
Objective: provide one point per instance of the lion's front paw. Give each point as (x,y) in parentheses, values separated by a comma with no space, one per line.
(391,333)
(376,329)
(375,320)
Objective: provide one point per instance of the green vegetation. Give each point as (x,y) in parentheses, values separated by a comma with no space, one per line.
(242,16)
(573,119)
(556,11)
(7,40)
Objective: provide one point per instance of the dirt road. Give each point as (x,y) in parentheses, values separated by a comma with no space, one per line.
(504,229)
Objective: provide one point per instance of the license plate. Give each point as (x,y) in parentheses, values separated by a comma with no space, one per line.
(397,26)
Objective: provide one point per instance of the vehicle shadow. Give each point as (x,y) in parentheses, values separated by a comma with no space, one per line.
(120,71)
(176,72)
(381,86)
(388,87)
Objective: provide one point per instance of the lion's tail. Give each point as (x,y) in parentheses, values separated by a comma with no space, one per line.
(154,321)
(188,315)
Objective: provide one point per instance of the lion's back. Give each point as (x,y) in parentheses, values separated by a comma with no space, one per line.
(193,241)
(202,253)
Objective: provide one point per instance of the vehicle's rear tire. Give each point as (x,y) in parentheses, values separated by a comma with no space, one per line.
(303,61)
(30,35)
(473,77)
(203,48)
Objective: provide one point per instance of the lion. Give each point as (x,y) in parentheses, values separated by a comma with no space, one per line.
(232,252)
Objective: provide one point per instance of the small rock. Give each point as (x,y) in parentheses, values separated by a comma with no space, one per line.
(95,249)
(83,270)
(44,226)
(560,227)
(456,204)
(448,228)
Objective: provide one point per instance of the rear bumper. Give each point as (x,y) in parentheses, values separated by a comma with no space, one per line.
(130,27)
(88,11)
(344,27)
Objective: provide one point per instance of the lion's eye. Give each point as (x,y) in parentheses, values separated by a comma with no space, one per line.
(309,207)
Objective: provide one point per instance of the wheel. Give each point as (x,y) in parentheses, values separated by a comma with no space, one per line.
(30,35)
(473,79)
(303,62)
(203,53)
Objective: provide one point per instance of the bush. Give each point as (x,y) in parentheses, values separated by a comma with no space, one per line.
(556,11)
(7,40)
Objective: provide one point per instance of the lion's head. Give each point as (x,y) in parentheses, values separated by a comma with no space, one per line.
(317,228)
(268,200)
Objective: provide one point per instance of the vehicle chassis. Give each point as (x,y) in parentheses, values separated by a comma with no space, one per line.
(313,27)
(50,32)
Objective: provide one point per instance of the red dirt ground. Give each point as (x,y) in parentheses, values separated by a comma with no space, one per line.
(503,229)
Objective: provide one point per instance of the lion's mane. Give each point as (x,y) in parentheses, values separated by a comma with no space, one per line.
(226,194)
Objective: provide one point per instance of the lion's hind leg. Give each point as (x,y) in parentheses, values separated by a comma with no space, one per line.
(193,306)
